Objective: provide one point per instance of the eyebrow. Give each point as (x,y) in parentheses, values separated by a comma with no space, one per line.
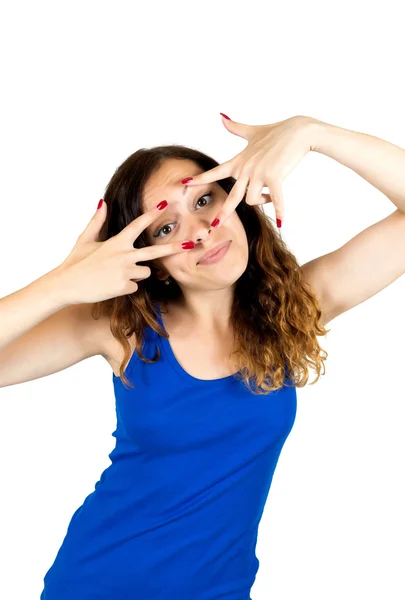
(185,189)
(155,224)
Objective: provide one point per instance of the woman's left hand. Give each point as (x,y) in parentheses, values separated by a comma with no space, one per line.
(271,154)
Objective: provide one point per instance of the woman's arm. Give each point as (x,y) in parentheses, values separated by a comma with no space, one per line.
(21,310)
(377,161)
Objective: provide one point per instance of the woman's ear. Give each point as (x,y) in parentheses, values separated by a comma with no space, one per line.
(161,276)
(158,273)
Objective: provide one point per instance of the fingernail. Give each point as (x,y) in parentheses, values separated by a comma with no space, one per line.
(226,117)
(215,223)
(278,222)
(187,245)
(186,179)
(100,204)
(162,205)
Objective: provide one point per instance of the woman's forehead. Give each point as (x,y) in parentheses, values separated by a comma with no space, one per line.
(167,182)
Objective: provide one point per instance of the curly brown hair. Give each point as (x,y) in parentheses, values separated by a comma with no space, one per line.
(275,314)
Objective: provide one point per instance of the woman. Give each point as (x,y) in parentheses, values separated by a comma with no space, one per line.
(207,344)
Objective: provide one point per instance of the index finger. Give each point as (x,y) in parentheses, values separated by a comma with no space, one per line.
(219,172)
(139,224)
(235,197)
(159,250)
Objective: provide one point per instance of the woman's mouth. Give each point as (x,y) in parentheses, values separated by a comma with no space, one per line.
(217,255)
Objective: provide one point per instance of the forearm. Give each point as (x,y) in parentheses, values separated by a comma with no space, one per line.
(379,162)
(23,309)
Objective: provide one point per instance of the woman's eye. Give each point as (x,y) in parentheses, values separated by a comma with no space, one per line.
(158,233)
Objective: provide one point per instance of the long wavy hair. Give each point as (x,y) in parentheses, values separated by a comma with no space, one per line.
(275,314)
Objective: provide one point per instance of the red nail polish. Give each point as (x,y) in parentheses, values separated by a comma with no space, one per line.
(186,179)
(278,222)
(100,204)
(187,245)
(226,117)
(162,205)
(215,223)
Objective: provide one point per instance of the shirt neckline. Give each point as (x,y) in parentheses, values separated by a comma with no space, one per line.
(168,351)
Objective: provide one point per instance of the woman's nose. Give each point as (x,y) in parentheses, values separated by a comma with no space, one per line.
(203,233)
(200,231)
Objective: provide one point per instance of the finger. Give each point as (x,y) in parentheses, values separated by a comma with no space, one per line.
(134,229)
(265,196)
(140,272)
(92,230)
(220,172)
(278,203)
(153,252)
(254,194)
(230,204)
(239,129)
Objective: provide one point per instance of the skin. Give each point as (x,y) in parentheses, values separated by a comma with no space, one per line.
(207,289)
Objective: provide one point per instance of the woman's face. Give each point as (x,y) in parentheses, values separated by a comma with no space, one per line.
(188,216)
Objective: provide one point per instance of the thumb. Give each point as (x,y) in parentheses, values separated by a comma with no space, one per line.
(90,234)
(239,129)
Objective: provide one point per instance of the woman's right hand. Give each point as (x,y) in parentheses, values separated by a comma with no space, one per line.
(96,271)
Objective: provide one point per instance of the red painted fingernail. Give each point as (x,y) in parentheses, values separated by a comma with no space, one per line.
(278,222)
(186,179)
(100,204)
(226,117)
(162,205)
(187,245)
(215,223)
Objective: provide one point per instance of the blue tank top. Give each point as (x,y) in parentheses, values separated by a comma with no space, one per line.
(175,515)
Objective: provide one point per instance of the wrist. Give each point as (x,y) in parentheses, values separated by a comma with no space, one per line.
(57,288)
(319,133)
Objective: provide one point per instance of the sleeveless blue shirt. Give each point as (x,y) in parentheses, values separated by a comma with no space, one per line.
(176,514)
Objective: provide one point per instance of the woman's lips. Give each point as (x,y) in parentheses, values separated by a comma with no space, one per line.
(220,253)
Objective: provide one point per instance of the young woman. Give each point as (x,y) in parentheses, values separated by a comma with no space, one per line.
(207,342)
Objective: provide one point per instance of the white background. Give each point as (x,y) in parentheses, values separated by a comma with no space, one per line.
(85,84)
